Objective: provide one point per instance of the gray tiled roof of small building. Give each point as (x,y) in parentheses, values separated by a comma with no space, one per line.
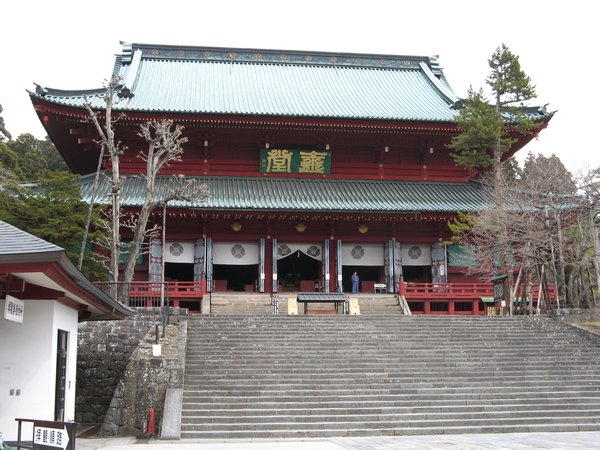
(14,241)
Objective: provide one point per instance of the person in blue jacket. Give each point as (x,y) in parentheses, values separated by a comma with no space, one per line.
(355,281)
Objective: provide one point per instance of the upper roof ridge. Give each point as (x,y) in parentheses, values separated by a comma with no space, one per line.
(272,56)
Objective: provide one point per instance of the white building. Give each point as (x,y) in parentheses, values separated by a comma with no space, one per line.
(42,298)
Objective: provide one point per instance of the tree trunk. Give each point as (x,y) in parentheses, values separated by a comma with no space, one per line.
(88,220)
(596,239)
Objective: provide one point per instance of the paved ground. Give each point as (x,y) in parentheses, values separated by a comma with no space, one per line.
(581,440)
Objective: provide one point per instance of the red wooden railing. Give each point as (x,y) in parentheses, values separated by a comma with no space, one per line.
(446,290)
(177,293)
(458,290)
(186,294)
(458,298)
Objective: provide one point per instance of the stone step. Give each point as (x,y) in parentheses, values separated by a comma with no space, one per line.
(349,331)
(392,401)
(353,417)
(400,364)
(373,357)
(330,397)
(381,385)
(566,404)
(311,376)
(203,378)
(396,431)
(400,423)
(269,328)
(399,348)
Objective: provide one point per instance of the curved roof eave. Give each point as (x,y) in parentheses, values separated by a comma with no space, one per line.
(19,246)
(318,195)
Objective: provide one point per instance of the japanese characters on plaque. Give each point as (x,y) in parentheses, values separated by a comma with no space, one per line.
(295,161)
(14,309)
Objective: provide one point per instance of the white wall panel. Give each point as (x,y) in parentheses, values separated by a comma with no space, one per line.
(235,253)
(362,254)
(179,252)
(312,249)
(416,254)
(28,363)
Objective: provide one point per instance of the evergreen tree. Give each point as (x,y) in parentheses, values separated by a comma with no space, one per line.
(54,160)
(51,210)
(488,127)
(4,134)
(9,161)
(30,157)
(487,136)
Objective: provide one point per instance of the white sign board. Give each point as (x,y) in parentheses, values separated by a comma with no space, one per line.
(14,309)
(51,437)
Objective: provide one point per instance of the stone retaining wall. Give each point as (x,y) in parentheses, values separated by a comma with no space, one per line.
(145,381)
(118,380)
(103,351)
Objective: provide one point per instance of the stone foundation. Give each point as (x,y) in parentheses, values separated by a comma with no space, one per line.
(103,351)
(233,303)
(145,381)
(110,354)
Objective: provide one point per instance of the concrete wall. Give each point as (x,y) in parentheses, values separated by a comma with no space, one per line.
(28,363)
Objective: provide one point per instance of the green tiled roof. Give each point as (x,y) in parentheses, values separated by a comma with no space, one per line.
(303,194)
(204,80)
(281,83)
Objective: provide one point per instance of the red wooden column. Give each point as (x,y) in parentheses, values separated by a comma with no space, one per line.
(451,307)
(268,265)
(427,307)
(332,262)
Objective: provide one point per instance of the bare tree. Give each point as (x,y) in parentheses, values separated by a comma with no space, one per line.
(164,140)
(542,224)
(589,183)
(114,149)
(164,146)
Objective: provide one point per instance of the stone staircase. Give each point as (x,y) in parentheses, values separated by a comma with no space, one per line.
(316,376)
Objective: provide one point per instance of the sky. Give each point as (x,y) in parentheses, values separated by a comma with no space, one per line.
(70,44)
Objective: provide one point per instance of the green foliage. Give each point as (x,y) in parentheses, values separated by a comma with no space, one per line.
(31,160)
(511,169)
(39,196)
(460,226)
(487,128)
(482,125)
(4,134)
(52,210)
(9,160)
(54,160)
(508,81)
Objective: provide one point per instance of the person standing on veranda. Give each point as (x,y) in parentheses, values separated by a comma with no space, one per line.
(355,282)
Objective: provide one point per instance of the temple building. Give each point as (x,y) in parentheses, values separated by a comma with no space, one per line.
(318,165)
